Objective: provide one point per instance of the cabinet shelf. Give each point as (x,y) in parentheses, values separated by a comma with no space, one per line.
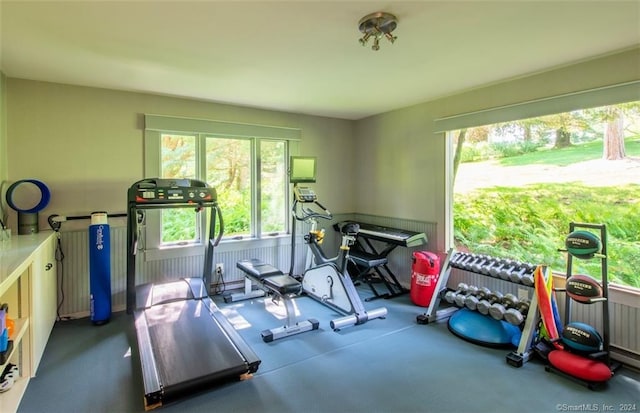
(21,328)
(28,286)
(11,398)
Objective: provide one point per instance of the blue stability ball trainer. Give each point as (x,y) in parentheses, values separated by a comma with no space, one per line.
(481,329)
(99,268)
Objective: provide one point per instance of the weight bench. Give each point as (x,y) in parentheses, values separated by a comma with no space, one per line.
(284,288)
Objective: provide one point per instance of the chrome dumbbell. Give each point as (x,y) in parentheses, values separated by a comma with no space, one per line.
(517,312)
(450,296)
(485,304)
(460,298)
(471,301)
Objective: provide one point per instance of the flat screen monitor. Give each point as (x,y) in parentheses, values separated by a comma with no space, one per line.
(302,169)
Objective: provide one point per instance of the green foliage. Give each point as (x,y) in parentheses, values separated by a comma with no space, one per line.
(530,224)
(483,151)
(567,156)
(178,225)
(505,150)
(474,153)
(236,210)
(229,165)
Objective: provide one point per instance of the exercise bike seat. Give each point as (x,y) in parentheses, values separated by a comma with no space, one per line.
(271,277)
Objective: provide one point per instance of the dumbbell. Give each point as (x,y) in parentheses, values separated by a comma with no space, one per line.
(460,298)
(477,266)
(459,259)
(485,304)
(507,269)
(455,261)
(517,313)
(497,267)
(471,301)
(498,309)
(527,277)
(474,264)
(450,296)
(466,264)
(486,267)
(518,272)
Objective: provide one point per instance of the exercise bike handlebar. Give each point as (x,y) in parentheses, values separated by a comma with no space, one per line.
(308,213)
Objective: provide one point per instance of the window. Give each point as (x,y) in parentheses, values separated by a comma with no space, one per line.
(246,164)
(178,160)
(539,174)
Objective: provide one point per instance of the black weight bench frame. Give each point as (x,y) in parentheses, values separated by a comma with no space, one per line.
(284,288)
(369,267)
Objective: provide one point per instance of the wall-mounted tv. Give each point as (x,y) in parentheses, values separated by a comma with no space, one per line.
(302,169)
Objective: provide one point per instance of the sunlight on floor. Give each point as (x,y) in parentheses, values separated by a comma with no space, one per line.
(278,310)
(237,321)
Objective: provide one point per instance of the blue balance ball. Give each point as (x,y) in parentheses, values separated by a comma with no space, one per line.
(483,330)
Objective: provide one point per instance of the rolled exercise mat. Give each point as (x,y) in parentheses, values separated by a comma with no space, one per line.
(99,268)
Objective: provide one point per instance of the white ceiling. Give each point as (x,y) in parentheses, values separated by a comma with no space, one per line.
(304,56)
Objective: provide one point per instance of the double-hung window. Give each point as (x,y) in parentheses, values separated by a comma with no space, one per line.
(246,164)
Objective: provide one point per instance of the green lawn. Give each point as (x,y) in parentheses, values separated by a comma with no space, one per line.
(567,156)
(530,223)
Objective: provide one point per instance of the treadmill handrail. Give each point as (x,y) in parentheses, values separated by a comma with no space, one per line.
(134,204)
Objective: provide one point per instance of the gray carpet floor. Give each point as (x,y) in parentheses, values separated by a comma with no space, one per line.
(386,365)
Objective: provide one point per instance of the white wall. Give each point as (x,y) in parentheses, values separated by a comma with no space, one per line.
(86,144)
(402,171)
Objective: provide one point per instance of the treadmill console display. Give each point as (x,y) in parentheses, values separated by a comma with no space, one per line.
(163,191)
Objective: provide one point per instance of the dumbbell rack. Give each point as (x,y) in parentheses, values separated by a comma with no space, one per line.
(604,355)
(524,351)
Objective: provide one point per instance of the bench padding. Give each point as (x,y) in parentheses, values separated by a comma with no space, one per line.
(258,269)
(283,284)
(271,277)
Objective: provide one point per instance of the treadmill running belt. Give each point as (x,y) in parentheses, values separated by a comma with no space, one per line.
(190,352)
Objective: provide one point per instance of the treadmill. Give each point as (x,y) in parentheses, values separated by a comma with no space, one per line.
(185,343)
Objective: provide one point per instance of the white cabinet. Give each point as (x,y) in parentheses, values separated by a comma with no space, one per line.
(44,302)
(30,291)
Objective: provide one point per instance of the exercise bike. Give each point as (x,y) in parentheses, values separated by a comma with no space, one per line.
(327,279)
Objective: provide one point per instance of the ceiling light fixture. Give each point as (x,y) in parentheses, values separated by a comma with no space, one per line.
(377,25)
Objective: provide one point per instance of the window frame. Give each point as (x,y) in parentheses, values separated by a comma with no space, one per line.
(202,129)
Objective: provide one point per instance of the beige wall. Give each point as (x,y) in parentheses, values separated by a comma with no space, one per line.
(86,144)
(3,143)
(402,167)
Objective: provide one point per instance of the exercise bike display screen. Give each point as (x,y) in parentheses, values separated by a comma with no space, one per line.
(302,169)
(304,194)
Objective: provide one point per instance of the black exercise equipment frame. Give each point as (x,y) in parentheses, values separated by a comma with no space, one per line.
(604,355)
(371,261)
(197,346)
